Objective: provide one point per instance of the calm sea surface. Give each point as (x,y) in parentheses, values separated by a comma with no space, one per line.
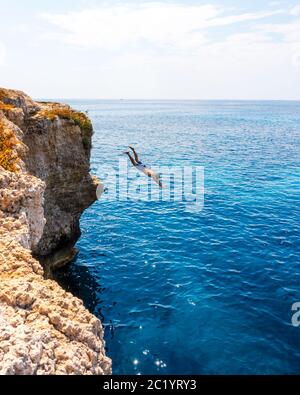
(206,292)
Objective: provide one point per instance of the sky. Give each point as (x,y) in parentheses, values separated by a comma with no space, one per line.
(176,49)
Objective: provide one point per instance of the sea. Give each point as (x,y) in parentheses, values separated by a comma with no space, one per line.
(205,291)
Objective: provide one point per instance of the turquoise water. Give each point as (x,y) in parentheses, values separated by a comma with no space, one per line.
(208,292)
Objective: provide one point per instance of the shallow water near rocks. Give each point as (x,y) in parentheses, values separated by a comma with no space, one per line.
(183,292)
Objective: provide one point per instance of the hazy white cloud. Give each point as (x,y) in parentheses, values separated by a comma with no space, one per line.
(288,32)
(3,54)
(295,11)
(275,3)
(158,50)
(155,25)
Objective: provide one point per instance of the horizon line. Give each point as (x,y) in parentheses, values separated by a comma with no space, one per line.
(149,99)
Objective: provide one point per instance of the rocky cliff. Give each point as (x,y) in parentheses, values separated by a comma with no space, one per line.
(44,187)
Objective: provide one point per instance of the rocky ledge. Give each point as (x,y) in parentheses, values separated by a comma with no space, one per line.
(45,186)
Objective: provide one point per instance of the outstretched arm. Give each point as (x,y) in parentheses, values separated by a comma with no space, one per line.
(131,159)
(161,184)
(155,177)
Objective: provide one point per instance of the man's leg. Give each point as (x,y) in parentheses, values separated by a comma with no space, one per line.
(131,159)
(135,154)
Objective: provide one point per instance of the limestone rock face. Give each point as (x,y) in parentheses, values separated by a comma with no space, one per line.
(43,329)
(57,158)
(58,143)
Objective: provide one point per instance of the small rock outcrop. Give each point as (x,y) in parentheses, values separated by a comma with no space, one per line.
(44,187)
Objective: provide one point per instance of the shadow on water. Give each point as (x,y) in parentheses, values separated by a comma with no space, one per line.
(78,280)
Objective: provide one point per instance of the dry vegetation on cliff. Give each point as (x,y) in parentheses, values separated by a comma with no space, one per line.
(8,142)
(79,118)
(5,107)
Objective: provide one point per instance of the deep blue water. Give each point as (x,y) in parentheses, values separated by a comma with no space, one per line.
(207,292)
